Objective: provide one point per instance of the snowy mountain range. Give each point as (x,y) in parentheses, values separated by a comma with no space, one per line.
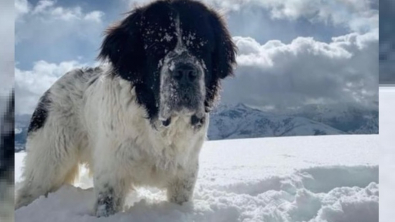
(352,119)
(21,125)
(241,121)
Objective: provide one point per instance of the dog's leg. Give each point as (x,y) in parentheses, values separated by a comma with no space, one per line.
(50,162)
(110,184)
(110,197)
(180,189)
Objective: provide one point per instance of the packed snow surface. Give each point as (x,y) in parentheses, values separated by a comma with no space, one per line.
(326,178)
(387,153)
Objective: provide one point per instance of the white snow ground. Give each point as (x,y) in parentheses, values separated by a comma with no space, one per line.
(387,153)
(328,178)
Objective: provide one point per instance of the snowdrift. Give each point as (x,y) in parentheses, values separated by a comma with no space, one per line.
(328,178)
(387,153)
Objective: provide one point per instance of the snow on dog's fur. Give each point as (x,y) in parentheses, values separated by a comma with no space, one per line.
(140,118)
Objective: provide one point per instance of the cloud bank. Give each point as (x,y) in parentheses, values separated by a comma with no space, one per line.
(55,33)
(305,71)
(291,52)
(358,15)
(31,84)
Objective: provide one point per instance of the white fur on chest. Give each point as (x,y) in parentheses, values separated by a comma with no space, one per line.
(149,155)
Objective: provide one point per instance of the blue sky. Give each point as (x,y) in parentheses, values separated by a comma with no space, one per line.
(291,52)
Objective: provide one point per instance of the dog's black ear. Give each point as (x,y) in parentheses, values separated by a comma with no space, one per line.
(123,47)
(224,55)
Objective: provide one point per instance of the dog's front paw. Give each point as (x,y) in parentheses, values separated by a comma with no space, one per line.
(103,211)
(179,199)
(181,191)
(105,207)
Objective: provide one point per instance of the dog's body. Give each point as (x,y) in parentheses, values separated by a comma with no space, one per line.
(101,125)
(139,120)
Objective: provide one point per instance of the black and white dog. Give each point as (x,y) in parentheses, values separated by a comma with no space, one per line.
(141,118)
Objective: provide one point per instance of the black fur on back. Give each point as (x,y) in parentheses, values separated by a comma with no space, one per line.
(40,114)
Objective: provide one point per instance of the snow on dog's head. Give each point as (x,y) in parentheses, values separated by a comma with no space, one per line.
(174,52)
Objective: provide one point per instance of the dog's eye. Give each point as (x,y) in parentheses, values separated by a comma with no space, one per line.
(200,52)
(156,49)
(150,46)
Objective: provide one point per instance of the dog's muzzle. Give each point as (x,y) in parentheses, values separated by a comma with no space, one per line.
(185,73)
(182,88)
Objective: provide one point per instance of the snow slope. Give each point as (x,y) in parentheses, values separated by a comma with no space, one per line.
(387,153)
(331,178)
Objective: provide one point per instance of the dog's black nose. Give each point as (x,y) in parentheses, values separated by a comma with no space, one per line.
(185,73)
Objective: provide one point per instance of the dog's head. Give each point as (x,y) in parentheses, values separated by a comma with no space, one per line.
(174,52)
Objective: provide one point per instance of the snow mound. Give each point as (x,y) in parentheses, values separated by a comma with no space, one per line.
(332,178)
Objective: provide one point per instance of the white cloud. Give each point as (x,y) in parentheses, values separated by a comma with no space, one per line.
(251,53)
(47,22)
(358,15)
(95,16)
(47,31)
(43,6)
(21,7)
(134,3)
(305,71)
(47,9)
(31,84)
